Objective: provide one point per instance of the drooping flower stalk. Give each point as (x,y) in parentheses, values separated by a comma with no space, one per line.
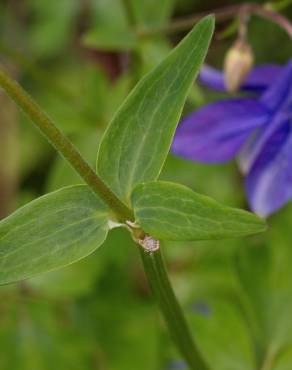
(223,14)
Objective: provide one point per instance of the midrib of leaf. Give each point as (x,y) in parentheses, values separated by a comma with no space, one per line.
(218,224)
(140,145)
(119,164)
(188,216)
(170,111)
(143,138)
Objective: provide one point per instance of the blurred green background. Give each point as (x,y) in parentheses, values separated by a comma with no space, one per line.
(79,59)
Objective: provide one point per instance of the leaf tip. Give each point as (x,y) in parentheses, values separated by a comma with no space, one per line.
(210,18)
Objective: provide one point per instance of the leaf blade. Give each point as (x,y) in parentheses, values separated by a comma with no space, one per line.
(53,231)
(207,319)
(150,114)
(171,211)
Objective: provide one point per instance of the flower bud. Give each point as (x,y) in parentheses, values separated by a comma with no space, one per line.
(237,64)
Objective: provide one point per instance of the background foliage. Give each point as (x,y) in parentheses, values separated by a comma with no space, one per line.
(80,59)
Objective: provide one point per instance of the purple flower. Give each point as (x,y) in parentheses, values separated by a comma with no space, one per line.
(256,129)
(202,308)
(176,365)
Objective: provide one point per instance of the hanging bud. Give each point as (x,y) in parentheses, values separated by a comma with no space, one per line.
(237,64)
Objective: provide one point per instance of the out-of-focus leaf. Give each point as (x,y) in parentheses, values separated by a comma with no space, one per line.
(281,4)
(265,275)
(77,100)
(170,211)
(38,335)
(117,327)
(109,28)
(75,280)
(61,173)
(282,361)
(218,181)
(152,51)
(138,139)
(50,232)
(276,36)
(110,38)
(253,265)
(52,25)
(106,12)
(152,12)
(118,92)
(230,30)
(33,147)
(222,335)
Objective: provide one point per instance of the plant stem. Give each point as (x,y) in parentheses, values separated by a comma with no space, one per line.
(8,156)
(129,12)
(157,276)
(269,359)
(223,14)
(63,145)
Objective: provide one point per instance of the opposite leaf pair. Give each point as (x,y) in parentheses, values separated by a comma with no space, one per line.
(62,227)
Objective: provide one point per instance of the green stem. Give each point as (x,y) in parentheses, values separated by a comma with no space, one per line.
(157,276)
(63,145)
(153,262)
(269,359)
(221,15)
(129,12)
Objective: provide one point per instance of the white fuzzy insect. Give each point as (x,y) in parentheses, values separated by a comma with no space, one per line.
(149,244)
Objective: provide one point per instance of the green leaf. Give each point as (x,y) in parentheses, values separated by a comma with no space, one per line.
(222,335)
(138,139)
(264,273)
(52,25)
(50,232)
(171,211)
(110,28)
(72,281)
(110,38)
(151,52)
(283,361)
(152,12)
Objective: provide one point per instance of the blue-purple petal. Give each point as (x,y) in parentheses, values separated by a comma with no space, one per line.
(261,77)
(269,182)
(177,365)
(212,78)
(279,95)
(258,80)
(258,139)
(215,132)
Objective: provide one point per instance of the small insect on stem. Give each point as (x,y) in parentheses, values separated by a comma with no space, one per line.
(149,244)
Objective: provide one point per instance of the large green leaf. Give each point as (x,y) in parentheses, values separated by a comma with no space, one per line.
(37,334)
(174,212)
(152,12)
(110,38)
(281,361)
(52,231)
(222,335)
(72,281)
(52,25)
(110,28)
(264,273)
(138,139)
